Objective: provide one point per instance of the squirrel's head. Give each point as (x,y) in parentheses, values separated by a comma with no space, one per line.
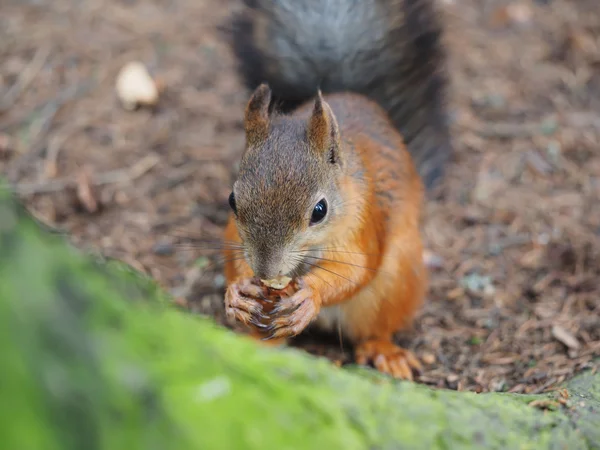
(287,199)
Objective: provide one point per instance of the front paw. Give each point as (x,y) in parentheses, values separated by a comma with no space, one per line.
(243,303)
(293,314)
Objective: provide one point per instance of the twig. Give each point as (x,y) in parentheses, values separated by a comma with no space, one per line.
(543,387)
(54,146)
(48,113)
(25,78)
(507,130)
(39,129)
(114,176)
(177,176)
(22,115)
(57,141)
(50,110)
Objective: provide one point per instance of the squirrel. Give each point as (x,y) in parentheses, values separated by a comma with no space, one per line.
(345,132)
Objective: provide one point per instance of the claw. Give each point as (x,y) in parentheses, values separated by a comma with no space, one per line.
(282,308)
(268,338)
(257,324)
(276,311)
(266,299)
(244,305)
(271,327)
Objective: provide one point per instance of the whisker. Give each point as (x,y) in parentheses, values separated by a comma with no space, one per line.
(225,261)
(344,262)
(205,243)
(339,322)
(186,231)
(199,247)
(320,278)
(313,274)
(339,327)
(216,264)
(113,254)
(300,261)
(216,242)
(195,237)
(335,273)
(333,250)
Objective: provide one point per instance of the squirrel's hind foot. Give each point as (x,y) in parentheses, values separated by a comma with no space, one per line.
(388,358)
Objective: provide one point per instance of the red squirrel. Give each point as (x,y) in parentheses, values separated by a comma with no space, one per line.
(345,129)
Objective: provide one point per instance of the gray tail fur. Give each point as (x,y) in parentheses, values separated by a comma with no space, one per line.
(389,51)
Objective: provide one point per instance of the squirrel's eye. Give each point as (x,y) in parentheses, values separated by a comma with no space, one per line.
(319,212)
(232,202)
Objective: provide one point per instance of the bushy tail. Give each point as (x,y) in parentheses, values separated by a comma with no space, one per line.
(389,51)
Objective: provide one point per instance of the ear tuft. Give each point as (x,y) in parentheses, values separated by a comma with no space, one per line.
(257,119)
(323,131)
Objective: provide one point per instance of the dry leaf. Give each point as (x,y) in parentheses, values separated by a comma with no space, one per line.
(5,145)
(85,192)
(514,13)
(519,13)
(51,169)
(452,378)
(564,393)
(455,293)
(532,259)
(544,404)
(537,163)
(584,43)
(181,302)
(432,260)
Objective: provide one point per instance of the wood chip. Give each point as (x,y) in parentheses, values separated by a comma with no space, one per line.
(452,378)
(565,337)
(564,393)
(428,358)
(537,163)
(545,404)
(433,260)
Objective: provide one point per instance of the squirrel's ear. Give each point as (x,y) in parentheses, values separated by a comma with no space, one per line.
(256,121)
(323,131)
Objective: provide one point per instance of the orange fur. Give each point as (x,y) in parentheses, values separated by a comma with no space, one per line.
(377,243)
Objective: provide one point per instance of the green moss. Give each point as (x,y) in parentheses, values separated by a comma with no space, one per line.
(93,357)
(584,407)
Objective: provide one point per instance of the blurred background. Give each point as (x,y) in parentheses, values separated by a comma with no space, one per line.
(513,239)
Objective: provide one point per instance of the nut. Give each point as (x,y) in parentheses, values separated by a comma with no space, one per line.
(277,283)
(135,86)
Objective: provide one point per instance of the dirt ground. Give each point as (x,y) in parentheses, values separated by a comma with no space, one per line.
(514,303)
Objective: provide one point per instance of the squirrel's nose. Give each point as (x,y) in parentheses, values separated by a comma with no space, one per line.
(266,275)
(263,269)
(267,267)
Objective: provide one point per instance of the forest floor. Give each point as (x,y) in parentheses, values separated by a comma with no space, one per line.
(514,303)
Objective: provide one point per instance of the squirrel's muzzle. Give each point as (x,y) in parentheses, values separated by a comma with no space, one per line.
(267,268)
(271,263)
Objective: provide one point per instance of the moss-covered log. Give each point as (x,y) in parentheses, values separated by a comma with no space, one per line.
(92,357)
